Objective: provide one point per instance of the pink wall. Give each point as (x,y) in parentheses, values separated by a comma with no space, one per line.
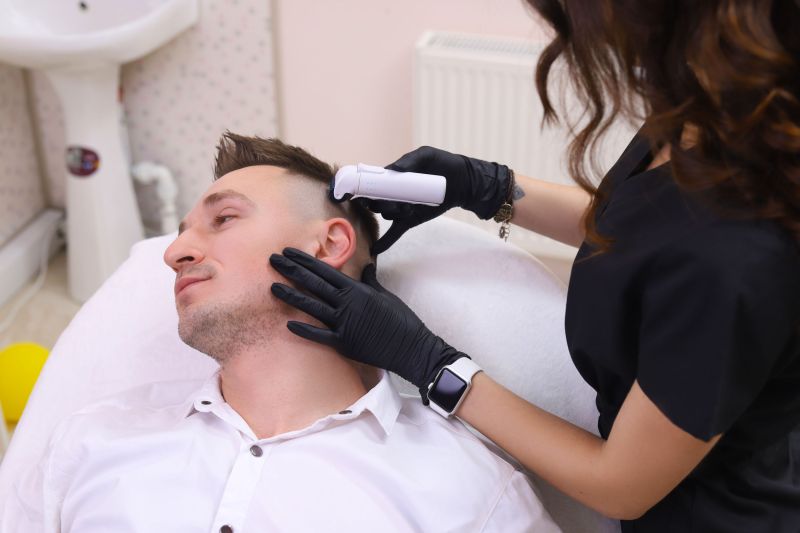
(344,67)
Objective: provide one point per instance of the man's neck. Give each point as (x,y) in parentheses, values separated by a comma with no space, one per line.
(288,384)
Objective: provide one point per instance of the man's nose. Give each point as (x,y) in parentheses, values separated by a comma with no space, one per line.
(182,253)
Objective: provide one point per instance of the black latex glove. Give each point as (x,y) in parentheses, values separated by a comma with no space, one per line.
(476,185)
(367,323)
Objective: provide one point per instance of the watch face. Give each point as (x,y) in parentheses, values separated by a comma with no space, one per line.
(447,390)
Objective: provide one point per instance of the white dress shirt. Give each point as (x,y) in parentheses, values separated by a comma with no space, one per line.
(175,457)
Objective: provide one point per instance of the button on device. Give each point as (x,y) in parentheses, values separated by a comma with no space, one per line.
(345,412)
(226,529)
(206,402)
(256,451)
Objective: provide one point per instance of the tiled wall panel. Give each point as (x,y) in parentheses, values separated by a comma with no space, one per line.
(21,195)
(218,75)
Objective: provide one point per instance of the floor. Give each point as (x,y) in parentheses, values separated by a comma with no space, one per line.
(44,317)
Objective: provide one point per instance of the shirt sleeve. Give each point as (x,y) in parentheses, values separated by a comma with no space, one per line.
(34,502)
(519,508)
(718,312)
(23,509)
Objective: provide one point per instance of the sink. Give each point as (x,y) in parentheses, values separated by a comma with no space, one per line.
(80,45)
(43,34)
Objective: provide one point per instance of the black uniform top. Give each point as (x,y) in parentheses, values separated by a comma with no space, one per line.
(705,313)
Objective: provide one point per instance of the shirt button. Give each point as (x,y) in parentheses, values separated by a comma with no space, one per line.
(345,412)
(226,529)
(206,402)
(256,451)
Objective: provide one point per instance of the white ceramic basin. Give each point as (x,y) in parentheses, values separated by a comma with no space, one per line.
(79,45)
(43,34)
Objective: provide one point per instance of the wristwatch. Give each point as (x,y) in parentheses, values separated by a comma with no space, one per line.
(451,385)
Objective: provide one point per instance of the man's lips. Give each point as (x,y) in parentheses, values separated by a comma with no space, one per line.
(185,282)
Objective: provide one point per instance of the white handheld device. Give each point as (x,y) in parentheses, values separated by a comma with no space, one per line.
(378,183)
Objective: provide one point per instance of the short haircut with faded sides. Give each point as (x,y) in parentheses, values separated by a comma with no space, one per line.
(237,151)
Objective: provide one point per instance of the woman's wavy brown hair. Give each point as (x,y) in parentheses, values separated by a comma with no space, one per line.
(727,67)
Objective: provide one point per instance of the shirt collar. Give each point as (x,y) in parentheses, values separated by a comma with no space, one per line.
(382,401)
(203,399)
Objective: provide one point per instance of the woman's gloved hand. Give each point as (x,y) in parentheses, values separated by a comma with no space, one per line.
(367,323)
(476,185)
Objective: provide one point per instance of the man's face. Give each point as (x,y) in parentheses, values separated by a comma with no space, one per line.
(227,244)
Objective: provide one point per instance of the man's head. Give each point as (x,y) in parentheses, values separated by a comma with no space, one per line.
(266,196)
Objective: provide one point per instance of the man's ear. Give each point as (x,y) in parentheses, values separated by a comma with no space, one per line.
(337,242)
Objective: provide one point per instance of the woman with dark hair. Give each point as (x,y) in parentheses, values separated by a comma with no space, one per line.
(683,308)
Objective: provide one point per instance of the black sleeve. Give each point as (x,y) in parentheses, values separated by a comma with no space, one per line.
(717,312)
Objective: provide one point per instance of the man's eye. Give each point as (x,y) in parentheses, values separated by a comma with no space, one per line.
(220,219)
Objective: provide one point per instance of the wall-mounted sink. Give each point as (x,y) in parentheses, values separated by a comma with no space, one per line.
(43,34)
(80,45)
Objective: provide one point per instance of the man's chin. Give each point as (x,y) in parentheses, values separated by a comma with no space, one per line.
(193,326)
(221,329)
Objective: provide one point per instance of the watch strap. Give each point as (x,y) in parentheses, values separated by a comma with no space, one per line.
(465,368)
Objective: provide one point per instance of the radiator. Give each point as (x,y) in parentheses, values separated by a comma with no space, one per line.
(475,95)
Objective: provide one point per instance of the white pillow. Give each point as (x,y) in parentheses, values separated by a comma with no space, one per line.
(485,297)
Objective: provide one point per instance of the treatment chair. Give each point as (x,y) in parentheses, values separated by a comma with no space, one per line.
(486,297)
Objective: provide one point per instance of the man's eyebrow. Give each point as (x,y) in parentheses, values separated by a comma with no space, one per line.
(214,198)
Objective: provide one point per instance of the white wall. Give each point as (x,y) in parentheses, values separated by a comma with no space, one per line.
(345,67)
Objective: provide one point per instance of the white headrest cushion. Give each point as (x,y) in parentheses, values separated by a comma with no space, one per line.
(485,297)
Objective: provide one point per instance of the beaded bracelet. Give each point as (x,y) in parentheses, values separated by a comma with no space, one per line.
(506,211)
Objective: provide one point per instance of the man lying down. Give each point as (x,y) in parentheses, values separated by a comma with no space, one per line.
(287,435)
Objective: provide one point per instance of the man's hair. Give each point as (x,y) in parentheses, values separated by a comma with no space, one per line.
(237,151)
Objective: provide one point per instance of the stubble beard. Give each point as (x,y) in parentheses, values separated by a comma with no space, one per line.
(223,329)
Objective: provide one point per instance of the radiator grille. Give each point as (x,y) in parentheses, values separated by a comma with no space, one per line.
(476,95)
(478,44)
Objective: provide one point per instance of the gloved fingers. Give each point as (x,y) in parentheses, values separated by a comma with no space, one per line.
(312,333)
(366,203)
(311,306)
(414,161)
(388,209)
(304,278)
(369,277)
(391,236)
(403,164)
(394,210)
(320,268)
